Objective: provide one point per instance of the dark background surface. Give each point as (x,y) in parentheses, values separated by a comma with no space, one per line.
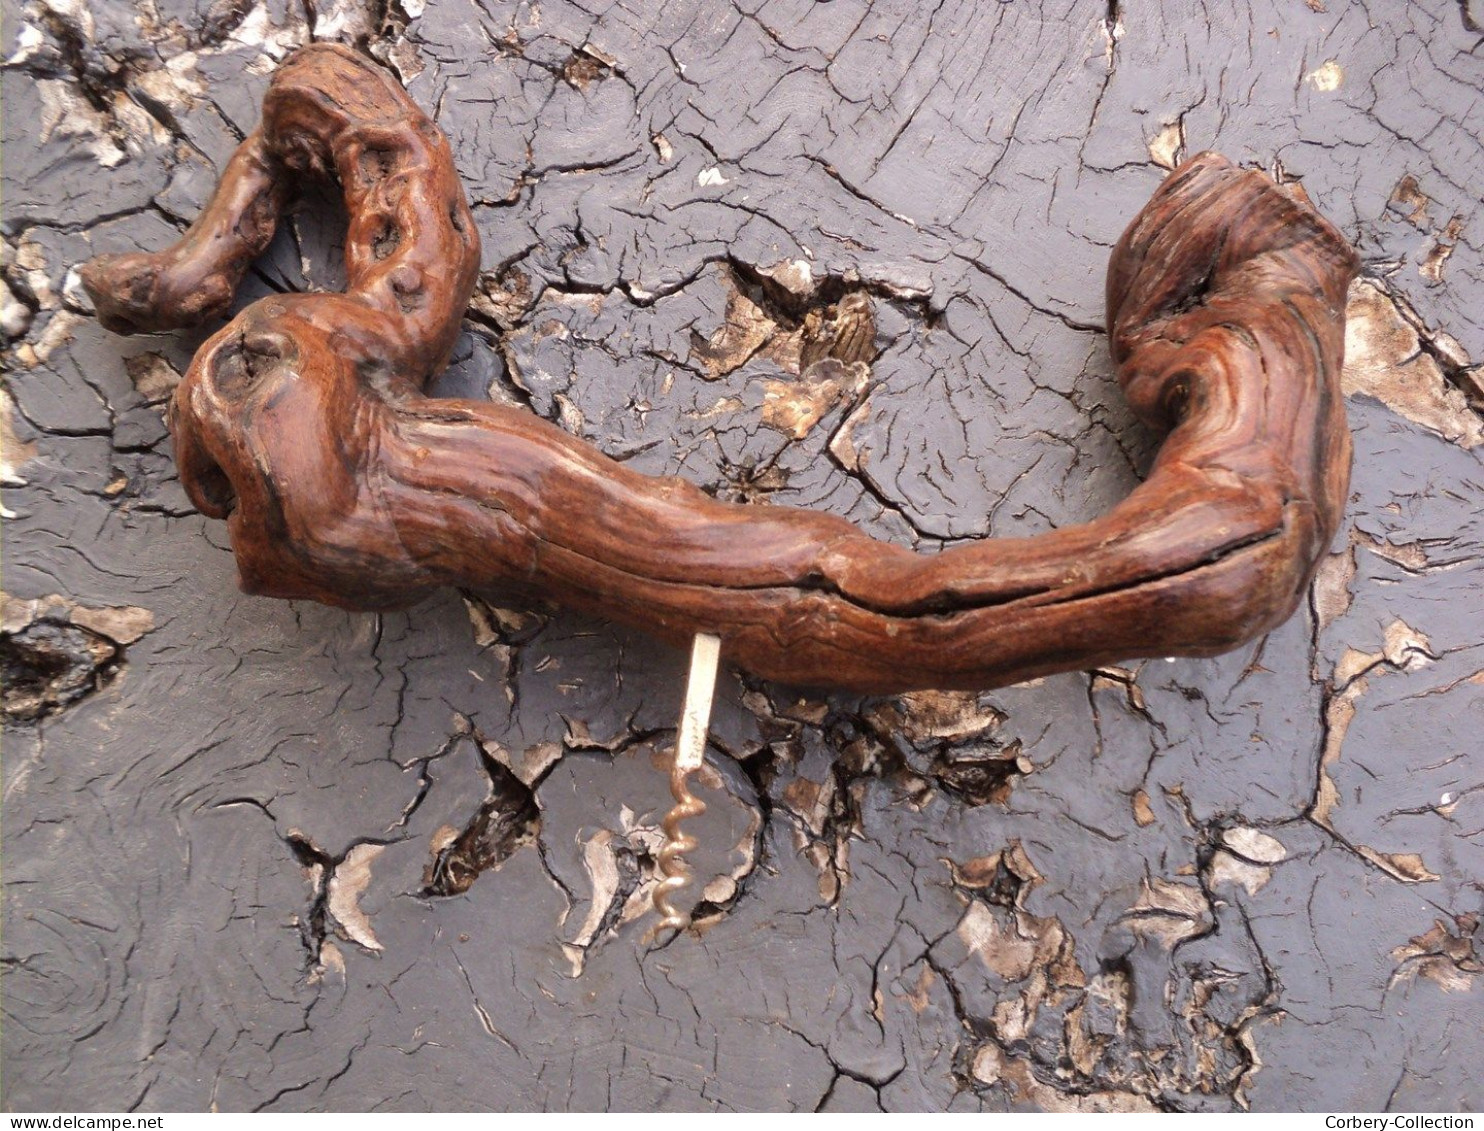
(272,855)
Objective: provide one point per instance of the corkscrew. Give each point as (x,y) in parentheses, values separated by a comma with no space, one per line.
(690,752)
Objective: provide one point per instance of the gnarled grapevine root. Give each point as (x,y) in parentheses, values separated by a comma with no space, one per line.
(303,423)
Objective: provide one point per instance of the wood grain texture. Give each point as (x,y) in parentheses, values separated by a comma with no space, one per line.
(303,422)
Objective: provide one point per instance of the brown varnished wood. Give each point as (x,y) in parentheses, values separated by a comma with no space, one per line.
(303,423)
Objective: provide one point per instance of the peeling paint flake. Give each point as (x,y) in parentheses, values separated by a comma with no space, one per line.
(1384,359)
(1167,147)
(347,883)
(1326,77)
(1447,954)
(14,452)
(1255,845)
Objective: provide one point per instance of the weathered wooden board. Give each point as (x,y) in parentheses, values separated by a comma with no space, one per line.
(271,855)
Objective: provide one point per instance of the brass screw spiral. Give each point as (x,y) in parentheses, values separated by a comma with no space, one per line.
(672,863)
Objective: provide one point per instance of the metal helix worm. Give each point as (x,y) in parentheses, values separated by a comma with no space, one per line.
(671,860)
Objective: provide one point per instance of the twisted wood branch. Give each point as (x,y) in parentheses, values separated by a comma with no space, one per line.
(303,423)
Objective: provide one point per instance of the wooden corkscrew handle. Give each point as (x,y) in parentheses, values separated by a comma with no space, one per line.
(303,423)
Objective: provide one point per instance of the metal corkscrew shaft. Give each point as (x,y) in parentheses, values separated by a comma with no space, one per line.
(690,751)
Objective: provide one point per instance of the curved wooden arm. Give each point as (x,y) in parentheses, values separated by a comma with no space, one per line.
(303,423)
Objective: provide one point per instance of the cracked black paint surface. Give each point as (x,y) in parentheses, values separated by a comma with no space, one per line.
(286,857)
